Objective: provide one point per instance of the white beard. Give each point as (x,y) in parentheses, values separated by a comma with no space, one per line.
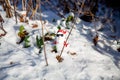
(60,43)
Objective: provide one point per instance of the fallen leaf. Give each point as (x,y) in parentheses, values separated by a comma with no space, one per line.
(21,19)
(11,63)
(95,40)
(73,53)
(118,49)
(59,58)
(34,26)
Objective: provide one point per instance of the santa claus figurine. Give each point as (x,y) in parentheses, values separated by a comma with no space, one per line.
(60,41)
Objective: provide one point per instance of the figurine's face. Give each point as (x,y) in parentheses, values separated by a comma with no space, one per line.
(59,35)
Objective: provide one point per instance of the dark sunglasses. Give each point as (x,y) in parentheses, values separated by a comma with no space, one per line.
(59,35)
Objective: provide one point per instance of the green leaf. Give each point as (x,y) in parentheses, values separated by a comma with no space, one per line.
(58,27)
(54,48)
(69,18)
(26,45)
(40,51)
(52,34)
(47,33)
(67,25)
(26,39)
(39,42)
(21,29)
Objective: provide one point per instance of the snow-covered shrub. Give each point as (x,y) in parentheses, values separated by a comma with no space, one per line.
(69,20)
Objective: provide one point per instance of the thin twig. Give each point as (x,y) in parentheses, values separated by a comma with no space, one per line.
(50,5)
(37,16)
(1,26)
(81,7)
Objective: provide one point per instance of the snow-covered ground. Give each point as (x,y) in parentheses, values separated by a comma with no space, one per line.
(89,63)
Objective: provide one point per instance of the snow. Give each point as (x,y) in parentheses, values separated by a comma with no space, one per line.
(89,63)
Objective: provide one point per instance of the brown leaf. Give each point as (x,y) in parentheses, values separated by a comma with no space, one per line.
(118,49)
(59,58)
(34,26)
(48,38)
(21,19)
(22,36)
(11,63)
(2,35)
(95,40)
(73,53)
(54,51)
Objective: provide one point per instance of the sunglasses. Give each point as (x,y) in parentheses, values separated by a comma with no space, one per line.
(59,35)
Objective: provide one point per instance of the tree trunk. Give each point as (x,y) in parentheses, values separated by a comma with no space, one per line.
(14,3)
(8,9)
(29,7)
(34,11)
(35,8)
(2,2)
(23,5)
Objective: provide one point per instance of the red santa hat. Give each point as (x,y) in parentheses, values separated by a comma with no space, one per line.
(62,31)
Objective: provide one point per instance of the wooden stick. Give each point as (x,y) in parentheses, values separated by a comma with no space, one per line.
(43,36)
(66,40)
